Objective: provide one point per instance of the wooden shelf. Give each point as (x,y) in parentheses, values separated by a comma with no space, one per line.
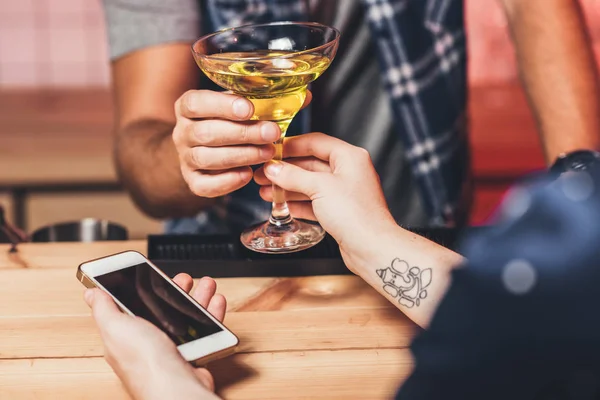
(56,137)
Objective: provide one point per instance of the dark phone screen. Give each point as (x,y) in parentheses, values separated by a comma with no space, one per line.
(148,295)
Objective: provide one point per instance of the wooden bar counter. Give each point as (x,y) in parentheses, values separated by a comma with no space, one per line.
(320,337)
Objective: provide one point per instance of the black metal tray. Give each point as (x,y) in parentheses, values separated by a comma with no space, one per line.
(223,256)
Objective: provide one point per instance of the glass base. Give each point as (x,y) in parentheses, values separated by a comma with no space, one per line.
(294,236)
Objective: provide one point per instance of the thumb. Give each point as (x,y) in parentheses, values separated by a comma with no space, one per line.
(103,306)
(205,378)
(294,179)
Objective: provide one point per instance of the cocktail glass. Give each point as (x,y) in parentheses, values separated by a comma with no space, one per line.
(271,65)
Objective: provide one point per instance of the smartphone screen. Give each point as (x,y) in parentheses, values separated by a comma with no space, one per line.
(148,295)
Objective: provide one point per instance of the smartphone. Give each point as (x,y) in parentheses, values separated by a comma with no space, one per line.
(140,288)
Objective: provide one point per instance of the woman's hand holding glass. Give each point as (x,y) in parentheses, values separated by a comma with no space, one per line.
(335,183)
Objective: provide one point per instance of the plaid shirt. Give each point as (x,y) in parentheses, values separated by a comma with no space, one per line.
(422,52)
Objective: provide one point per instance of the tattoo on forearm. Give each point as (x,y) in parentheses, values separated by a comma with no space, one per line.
(405,283)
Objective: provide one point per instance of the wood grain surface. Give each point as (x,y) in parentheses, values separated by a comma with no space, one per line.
(328,337)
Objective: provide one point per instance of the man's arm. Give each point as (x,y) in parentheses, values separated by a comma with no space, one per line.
(557,67)
(147,83)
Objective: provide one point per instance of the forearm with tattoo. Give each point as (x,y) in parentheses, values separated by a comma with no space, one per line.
(410,271)
(405,283)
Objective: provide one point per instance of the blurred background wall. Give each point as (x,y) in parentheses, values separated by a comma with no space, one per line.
(58,43)
(61,43)
(55,113)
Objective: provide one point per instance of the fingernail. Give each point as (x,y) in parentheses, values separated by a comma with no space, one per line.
(246,174)
(269,132)
(88,295)
(273,168)
(241,108)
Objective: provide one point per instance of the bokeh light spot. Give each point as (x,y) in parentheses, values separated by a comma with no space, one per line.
(577,185)
(519,277)
(517,203)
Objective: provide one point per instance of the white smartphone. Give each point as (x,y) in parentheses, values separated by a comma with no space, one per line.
(140,288)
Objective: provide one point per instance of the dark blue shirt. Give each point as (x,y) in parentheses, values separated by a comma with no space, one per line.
(521,318)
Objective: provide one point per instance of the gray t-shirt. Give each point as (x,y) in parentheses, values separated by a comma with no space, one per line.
(349,101)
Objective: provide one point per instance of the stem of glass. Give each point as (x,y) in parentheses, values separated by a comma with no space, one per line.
(280,213)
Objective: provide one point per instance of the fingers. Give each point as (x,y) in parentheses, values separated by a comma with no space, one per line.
(219,132)
(204,291)
(205,378)
(315,144)
(216,158)
(217,306)
(210,104)
(295,179)
(302,210)
(212,184)
(104,309)
(307,163)
(184,281)
(204,294)
(266,193)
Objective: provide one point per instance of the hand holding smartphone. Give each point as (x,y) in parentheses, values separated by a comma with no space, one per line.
(140,288)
